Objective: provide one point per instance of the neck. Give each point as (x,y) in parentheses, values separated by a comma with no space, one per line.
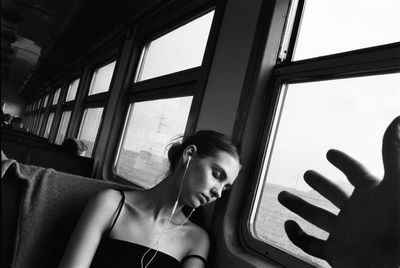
(160,200)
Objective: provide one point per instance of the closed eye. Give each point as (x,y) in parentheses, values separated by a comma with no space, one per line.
(216,174)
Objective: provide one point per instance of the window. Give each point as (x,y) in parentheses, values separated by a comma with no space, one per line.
(101,79)
(46,100)
(89,127)
(163,108)
(48,125)
(180,49)
(62,130)
(94,103)
(360,25)
(343,101)
(39,126)
(72,89)
(56,96)
(321,115)
(151,125)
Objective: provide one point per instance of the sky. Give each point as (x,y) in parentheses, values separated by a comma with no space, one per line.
(347,114)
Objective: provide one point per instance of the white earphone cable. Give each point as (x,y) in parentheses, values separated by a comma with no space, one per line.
(168,222)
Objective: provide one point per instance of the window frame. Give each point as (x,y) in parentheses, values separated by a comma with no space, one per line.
(93,101)
(356,63)
(189,82)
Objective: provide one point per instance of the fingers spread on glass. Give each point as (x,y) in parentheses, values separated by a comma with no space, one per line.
(391,150)
(307,243)
(326,188)
(355,172)
(313,214)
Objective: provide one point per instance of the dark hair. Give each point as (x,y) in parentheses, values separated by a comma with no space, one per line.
(73,146)
(207,142)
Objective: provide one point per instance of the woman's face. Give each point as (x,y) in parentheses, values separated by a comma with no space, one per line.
(206,178)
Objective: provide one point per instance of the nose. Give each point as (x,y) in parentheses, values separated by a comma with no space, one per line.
(215,192)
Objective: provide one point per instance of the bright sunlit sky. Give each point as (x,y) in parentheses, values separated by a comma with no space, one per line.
(347,114)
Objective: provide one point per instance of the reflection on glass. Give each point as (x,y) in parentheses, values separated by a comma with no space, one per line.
(336,26)
(346,114)
(89,127)
(101,79)
(178,50)
(56,96)
(73,87)
(48,125)
(62,129)
(150,126)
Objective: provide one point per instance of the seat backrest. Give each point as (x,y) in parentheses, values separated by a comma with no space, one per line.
(11,191)
(40,208)
(34,151)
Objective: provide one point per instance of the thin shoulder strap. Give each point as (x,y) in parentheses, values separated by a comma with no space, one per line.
(194,256)
(121,204)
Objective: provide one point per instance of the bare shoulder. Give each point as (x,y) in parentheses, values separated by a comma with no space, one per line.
(106,200)
(200,241)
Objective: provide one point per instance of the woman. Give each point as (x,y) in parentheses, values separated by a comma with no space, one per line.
(148,228)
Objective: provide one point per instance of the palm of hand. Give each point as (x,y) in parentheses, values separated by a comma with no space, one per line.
(366,232)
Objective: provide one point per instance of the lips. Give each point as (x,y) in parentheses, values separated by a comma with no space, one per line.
(205,199)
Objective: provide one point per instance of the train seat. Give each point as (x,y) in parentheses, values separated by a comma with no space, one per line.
(40,208)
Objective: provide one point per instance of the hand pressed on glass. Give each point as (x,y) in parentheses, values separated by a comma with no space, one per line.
(366,232)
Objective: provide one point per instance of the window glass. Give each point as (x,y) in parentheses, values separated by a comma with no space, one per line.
(62,129)
(334,26)
(40,103)
(56,96)
(28,122)
(89,127)
(35,124)
(31,123)
(73,87)
(178,50)
(48,125)
(150,126)
(350,115)
(101,79)
(39,124)
(46,100)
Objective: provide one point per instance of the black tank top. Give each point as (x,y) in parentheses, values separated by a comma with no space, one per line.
(118,253)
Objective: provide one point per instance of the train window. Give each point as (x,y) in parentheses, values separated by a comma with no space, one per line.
(101,79)
(48,125)
(72,89)
(178,50)
(89,127)
(46,100)
(150,125)
(56,96)
(343,96)
(362,24)
(321,115)
(62,130)
(39,124)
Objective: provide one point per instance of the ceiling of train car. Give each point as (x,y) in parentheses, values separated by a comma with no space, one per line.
(41,38)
